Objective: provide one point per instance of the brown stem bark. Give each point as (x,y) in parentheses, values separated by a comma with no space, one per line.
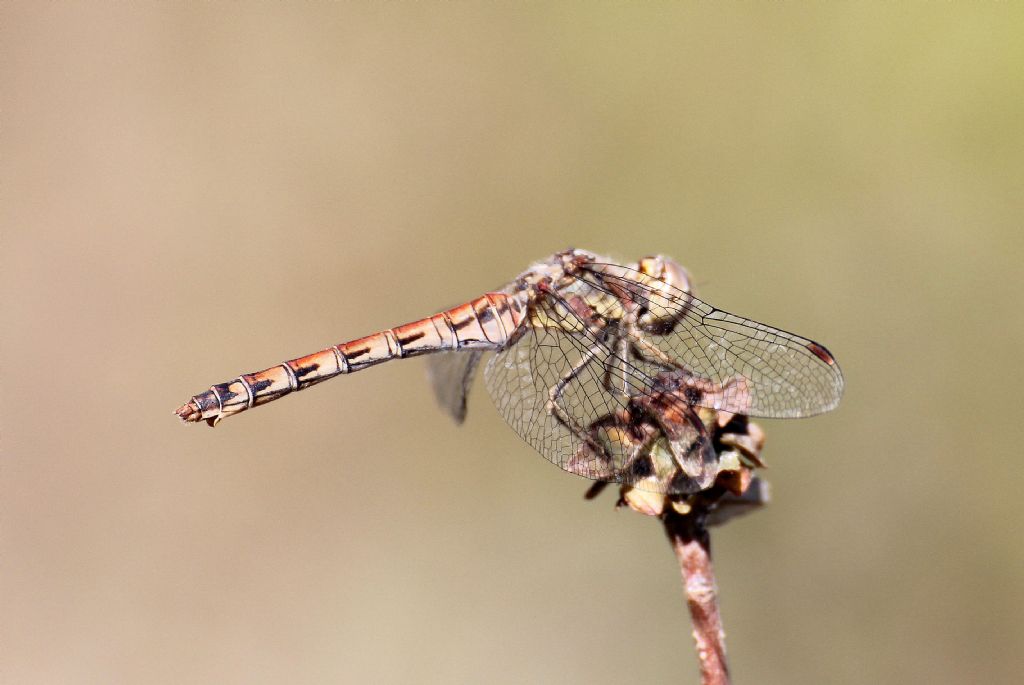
(692,545)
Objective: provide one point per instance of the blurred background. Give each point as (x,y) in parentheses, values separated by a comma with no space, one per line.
(194,191)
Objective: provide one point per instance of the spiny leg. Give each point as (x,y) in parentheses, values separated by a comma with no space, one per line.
(621,345)
(592,449)
(635,443)
(647,351)
(556,391)
(555,394)
(555,409)
(586,318)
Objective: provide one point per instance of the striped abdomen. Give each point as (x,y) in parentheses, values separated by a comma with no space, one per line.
(486,322)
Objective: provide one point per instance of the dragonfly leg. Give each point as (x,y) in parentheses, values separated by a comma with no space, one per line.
(634,431)
(568,377)
(617,421)
(582,316)
(647,351)
(621,346)
(555,394)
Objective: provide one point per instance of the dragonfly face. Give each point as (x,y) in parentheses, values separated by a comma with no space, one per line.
(667,278)
(666,271)
(603,368)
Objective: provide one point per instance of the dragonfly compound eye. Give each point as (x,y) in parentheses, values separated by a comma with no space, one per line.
(668,278)
(667,270)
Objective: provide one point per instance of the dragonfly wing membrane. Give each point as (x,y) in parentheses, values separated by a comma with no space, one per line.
(549,391)
(758,370)
(568,394)
(451,376)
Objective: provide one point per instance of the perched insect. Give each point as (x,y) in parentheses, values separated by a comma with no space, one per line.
(601,367)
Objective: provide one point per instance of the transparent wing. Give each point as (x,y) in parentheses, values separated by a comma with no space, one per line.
(451,375)
(748,367)
(568,392)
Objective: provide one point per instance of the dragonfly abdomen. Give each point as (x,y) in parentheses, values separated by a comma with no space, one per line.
(486,322)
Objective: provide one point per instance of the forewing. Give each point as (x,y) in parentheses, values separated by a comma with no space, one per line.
(746,367)
(451,375)
(585,429)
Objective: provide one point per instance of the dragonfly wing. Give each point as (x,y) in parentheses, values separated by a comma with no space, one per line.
(735,364)
(568,394)
(451,375)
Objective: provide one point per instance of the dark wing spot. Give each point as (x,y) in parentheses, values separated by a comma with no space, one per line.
(821,353)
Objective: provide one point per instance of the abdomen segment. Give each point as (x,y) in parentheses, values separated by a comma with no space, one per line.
(484,323)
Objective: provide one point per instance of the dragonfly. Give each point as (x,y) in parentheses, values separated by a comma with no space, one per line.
(601,367)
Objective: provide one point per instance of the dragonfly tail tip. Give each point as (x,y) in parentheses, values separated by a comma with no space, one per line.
(189,412)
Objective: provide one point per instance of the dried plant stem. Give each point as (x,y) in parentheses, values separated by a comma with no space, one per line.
(692,545)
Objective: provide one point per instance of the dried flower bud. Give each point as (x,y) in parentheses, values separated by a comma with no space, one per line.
(732,488)
(644,501)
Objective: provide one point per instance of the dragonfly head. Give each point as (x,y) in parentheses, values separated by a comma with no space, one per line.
(667,270)
(664,303)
